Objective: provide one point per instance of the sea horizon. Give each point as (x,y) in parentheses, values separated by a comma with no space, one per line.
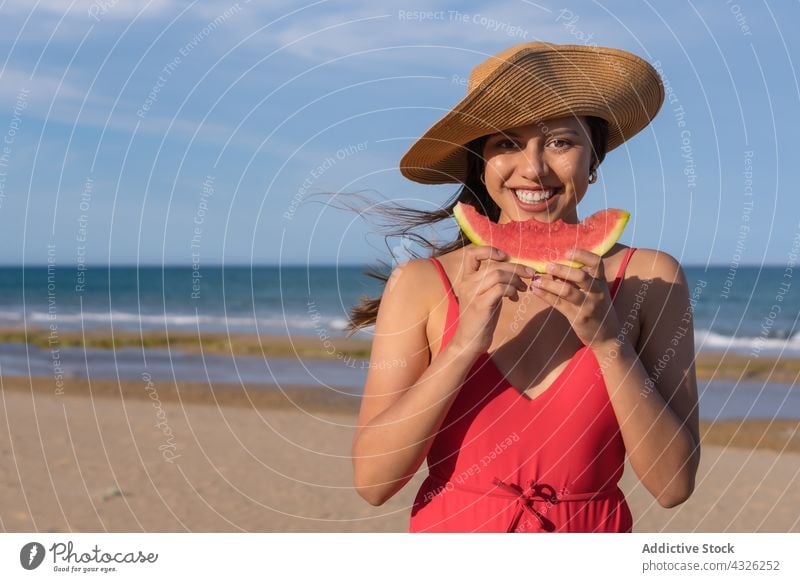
(747,309)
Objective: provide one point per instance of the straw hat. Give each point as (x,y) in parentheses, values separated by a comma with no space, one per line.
(530,83)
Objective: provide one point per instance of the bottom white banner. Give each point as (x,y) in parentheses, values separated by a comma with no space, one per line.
(402,557)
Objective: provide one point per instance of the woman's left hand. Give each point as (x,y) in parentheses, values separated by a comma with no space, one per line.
(582,296)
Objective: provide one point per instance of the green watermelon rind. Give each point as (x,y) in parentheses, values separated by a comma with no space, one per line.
(600,249)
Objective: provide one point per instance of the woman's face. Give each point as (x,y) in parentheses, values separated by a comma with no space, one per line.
(524,163)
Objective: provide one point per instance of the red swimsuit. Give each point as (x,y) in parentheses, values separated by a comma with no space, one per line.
(502,462)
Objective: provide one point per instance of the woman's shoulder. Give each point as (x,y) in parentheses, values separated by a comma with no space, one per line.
(658,277)
(451,259)
(415,278)
(653,264)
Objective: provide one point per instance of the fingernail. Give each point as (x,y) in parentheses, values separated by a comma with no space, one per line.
(529,271)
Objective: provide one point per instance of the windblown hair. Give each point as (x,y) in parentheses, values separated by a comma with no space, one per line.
(472,192)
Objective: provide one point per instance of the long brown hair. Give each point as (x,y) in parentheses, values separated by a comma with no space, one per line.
(472,192)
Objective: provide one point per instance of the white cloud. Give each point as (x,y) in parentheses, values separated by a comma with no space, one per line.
(41,87)
(48,98)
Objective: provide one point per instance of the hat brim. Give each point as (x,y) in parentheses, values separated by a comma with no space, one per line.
(532,86)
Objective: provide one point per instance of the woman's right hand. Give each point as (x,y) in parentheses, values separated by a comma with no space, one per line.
(487,278)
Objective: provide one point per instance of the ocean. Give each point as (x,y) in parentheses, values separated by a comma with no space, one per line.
(752,310)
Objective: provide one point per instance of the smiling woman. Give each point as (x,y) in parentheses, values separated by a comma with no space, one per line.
(544,169)
(525,398)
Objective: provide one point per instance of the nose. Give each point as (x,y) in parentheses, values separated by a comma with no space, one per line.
(532,165)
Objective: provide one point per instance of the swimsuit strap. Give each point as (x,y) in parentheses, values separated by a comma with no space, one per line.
(621,271)
(451,321)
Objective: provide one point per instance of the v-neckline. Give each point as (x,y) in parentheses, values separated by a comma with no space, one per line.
(547,390)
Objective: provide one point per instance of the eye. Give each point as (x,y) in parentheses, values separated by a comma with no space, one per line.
(560,144)
(505,143)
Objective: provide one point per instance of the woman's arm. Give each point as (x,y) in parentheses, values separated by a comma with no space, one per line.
(405,399)
(654,392)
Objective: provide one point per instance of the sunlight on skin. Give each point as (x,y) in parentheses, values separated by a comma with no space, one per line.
(556,153)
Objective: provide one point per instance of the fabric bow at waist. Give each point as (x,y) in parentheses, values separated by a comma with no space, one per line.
(535,492)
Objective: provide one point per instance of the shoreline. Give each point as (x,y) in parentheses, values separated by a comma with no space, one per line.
(192,343)
(709,365)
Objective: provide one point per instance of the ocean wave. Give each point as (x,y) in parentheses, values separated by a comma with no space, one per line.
(776,341)
(291,322)
(773,343)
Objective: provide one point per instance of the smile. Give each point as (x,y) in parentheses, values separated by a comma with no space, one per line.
(530,196)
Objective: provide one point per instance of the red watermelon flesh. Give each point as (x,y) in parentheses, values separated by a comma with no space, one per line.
(534,243)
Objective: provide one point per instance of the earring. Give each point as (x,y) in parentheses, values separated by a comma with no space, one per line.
(593,176)
(483,181)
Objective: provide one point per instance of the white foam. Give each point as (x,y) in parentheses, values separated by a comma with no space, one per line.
(709,340)
(190,320)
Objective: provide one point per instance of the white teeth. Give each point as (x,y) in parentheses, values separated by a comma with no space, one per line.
(529,196)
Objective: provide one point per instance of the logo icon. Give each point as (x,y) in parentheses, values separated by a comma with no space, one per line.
(31,555)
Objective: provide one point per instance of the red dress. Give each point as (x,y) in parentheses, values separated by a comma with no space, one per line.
(502,462)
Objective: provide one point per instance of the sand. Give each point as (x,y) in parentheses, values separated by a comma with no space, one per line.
(250,459)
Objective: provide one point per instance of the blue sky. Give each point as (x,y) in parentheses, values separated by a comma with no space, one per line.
(176,131)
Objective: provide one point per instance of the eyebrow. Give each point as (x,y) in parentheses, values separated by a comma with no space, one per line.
(514,134)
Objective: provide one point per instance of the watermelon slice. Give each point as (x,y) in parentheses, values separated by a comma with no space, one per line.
(534,244)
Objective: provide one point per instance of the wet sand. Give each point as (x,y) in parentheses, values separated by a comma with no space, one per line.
(709,365)
(130,456)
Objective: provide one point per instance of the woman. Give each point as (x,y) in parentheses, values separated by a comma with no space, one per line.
(525,398)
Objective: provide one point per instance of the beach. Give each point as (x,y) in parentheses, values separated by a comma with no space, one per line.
(717,365)
(129,455)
